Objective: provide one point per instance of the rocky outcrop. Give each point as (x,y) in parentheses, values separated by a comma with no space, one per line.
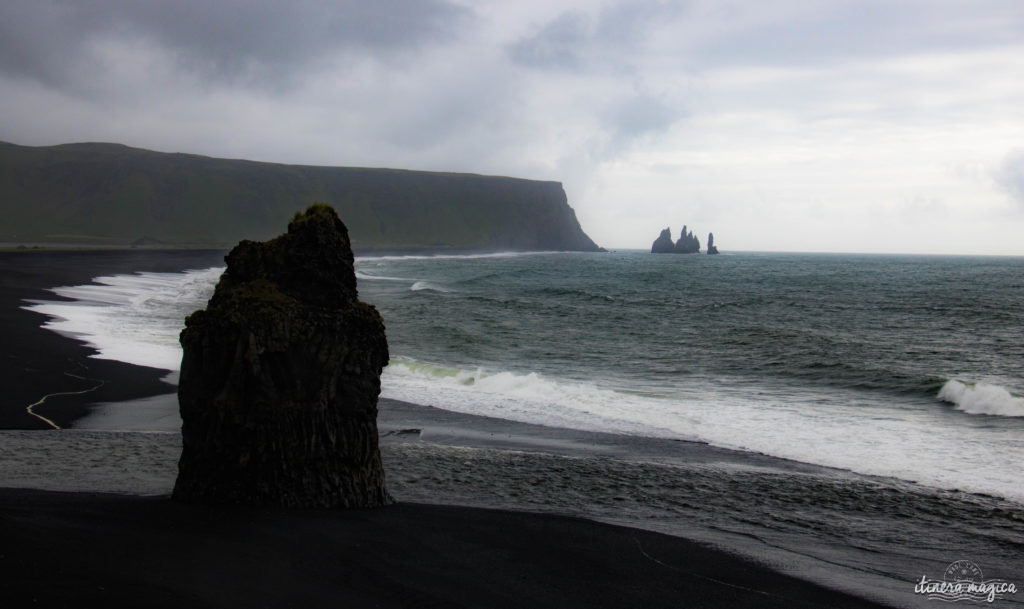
(663,244)
(687,243)
(280,377)
(711,244)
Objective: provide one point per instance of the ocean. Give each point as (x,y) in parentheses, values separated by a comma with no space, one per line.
(863,413)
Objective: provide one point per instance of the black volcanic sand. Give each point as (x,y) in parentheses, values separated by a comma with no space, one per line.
(36,362)
(91,550)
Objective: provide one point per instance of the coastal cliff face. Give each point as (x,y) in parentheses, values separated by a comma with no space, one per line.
(108,194)
(280,378)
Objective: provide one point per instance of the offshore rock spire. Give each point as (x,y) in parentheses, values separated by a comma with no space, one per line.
(688,243)
(663,244)
(711,244)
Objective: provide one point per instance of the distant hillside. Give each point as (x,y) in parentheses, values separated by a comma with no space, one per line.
(109,194)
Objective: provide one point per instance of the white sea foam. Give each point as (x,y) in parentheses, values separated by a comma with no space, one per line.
(426,285)
(529,398)
(363,275)
(453,256)
(131,318)
(982,399)
(847,432)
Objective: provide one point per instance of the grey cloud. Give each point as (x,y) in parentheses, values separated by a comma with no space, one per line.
(1010,175)
(41,40)
(48,40)
(558,44)
(826,32)
(628,22)
(574,40)
(633,117)
(640,115)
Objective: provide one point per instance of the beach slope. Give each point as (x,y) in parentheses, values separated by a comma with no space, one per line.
(96,550)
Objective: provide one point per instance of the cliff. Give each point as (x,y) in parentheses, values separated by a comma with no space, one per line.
(280,378)
(109,194)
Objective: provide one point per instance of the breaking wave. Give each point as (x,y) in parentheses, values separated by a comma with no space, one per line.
(804,425)
(982,398)
(131,318)
(425,285)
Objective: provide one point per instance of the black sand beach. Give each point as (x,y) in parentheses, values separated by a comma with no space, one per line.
(35,363)
(87,549)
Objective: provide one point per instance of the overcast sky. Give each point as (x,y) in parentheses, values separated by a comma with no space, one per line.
(851,126)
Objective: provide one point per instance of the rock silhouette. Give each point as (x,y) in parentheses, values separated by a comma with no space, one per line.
(687,243)
(280,377)
(711,244)
(663,244)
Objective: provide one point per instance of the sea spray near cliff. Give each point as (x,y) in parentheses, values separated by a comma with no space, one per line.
(836,360)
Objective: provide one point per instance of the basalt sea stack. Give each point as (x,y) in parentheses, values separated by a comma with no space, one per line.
(280,377)
(687,243)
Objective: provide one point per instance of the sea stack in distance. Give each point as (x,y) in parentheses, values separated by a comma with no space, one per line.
(280,377)
(712,250)
(688,243)
(663,244)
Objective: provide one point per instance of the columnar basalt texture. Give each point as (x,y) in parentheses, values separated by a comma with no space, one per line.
(280,377)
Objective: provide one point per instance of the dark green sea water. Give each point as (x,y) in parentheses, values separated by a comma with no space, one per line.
(831,359)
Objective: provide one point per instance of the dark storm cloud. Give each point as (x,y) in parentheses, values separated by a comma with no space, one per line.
(49,40)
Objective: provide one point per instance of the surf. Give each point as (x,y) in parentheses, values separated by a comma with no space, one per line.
(130,318)
(526,344)
(982,399)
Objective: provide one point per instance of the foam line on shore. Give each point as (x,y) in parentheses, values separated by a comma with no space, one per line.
(31,408)
(125,317)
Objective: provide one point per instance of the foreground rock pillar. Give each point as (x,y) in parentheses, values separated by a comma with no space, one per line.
(280,377)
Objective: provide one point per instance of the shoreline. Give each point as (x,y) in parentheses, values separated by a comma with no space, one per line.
(728,501)
(35,362)
(136,547)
